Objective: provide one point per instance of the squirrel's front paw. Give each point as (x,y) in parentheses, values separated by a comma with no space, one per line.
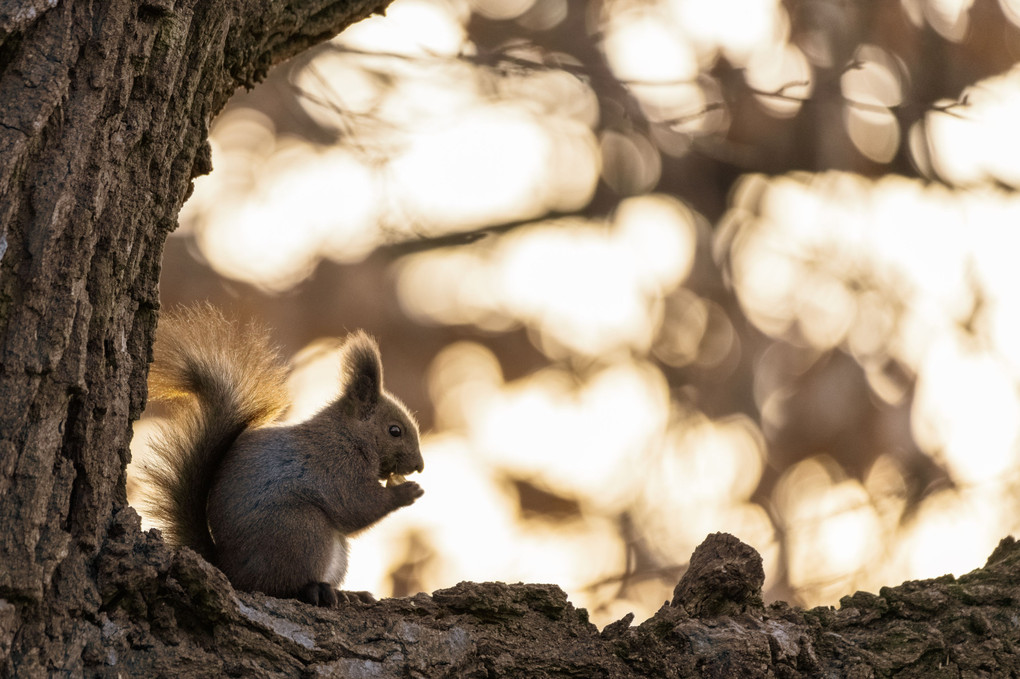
(407,492)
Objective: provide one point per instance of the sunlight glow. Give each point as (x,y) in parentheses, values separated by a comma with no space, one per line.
(551,93)
(977,437)
(784,70)
(721,459)
(592,441)
(143,431)
(950,18)
(684,328)
(598,304)
(455,479)
(831,527)
(658,235)
(494,163)
(410,27)
(737,28)
(1011,8)
(682,106)
(874,83)
(643,47)
(335,80)
(574,554)
(864,234)
(977,143)
(463,379)
(876,134)
(705,474)
(953,533)
(998,274)
(914,272)
(314,380)
(875,78)
(580,440)
(433,153)
(632,165)
(567,279)
(244,239)
(501,10)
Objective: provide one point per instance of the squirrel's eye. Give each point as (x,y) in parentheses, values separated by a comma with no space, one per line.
(394,430)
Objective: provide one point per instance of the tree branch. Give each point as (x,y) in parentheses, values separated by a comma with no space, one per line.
(715,626)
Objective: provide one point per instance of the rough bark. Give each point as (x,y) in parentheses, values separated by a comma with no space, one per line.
(172,613)
(104,111)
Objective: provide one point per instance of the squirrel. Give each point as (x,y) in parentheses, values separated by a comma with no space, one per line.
(271,505)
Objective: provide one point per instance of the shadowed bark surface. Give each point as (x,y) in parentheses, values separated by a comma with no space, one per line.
(174,613)
(104,112)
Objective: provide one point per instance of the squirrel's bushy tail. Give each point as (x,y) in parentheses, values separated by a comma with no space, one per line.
(218,379)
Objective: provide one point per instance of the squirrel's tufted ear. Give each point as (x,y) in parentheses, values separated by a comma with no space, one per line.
(362,374)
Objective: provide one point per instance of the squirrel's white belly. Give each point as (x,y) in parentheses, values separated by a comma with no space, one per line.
(336,569)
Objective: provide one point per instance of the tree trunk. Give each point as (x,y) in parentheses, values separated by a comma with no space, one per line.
(104,112)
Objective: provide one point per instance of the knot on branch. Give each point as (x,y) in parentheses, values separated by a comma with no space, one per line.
(725,577)
(1006,556)
(495,601)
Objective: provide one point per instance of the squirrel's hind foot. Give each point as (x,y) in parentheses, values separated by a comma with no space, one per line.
(323,594)
(356,597)
(319,594)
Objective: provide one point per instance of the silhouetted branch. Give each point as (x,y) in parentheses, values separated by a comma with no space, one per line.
(504,63)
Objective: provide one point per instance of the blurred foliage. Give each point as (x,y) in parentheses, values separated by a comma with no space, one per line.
(650,269)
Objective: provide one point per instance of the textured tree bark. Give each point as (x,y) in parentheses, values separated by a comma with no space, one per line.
(104,111)
(166,614)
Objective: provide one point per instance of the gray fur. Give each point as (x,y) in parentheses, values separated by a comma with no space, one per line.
(271,505)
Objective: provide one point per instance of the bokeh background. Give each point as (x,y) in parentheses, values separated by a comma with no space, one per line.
(646,270)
